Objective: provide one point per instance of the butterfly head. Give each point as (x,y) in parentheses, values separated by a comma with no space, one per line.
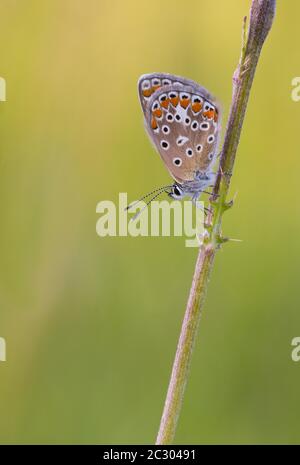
(176,191)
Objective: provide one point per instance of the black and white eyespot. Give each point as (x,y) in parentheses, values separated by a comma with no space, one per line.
(166,82)
(165,129)
(199,148)
(178,118)
(146,84)
(170,117)
(189,152)
(177,161)
(204,126)
(164,145)
(210,139)
(155,82)
(173,94)
(206,106)
(155,105)
(181,140)
(184,95)
(197,99)
(187,121)
(197,104)
(195,125)
(210,156)
(162,97)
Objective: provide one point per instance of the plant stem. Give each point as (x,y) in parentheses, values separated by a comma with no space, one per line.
(261,17)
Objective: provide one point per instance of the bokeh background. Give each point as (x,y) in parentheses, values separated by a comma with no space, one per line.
(91,324)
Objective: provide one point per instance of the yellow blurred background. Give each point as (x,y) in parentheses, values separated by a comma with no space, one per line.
(91,324)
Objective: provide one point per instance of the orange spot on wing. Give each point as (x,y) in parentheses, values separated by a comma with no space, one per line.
(157,113)
(216,116)
(154,123)
(185,102)
(209,114)
(147,92)
(165,103)
(174,101)
(196,107)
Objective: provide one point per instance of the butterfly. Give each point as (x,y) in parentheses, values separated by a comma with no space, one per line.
(182,120)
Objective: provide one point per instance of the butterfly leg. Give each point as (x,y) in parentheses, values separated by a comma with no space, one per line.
(198,205)
(225,173)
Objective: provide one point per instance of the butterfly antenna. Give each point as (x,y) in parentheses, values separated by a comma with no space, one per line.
(148,203)
(162,189)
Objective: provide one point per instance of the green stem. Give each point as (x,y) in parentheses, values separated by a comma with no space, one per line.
(261,18)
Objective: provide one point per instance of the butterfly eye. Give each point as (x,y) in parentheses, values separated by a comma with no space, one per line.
(177,191)
(210,139)
(204,126)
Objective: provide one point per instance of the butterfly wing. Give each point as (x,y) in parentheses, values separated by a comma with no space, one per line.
(183,123)
(149,83)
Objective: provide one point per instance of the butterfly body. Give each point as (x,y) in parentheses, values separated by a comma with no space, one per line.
(182,121)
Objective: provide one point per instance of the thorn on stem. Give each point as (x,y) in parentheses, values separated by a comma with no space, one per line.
(227,205)
(221,240)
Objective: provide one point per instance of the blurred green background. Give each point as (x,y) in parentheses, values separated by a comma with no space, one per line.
(91,324)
